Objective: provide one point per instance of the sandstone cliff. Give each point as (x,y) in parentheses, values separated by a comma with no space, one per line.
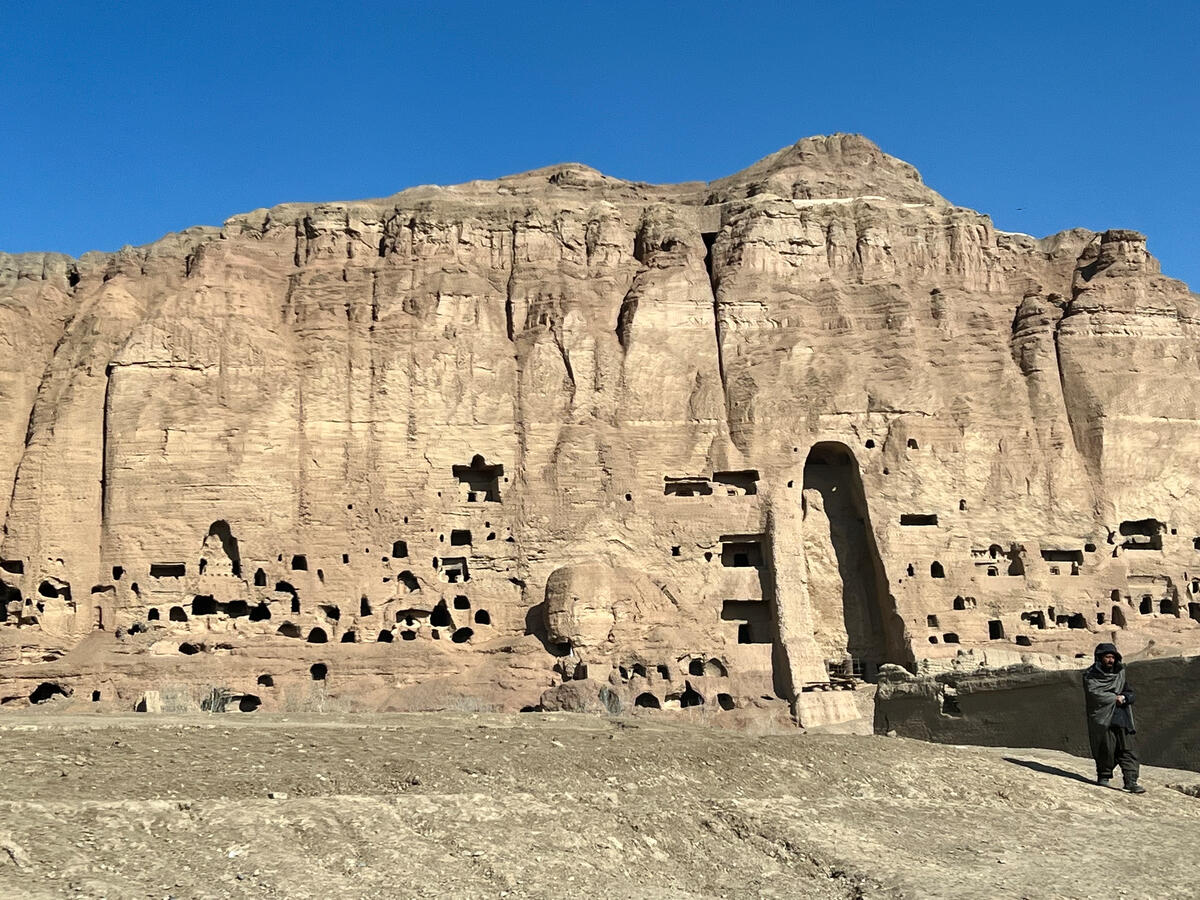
(605,441)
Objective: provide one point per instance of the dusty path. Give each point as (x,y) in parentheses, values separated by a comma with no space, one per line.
(549,805)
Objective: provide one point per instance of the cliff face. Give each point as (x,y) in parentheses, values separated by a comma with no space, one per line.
(563,433)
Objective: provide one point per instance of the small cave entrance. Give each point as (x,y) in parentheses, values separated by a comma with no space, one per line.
(479,481)
(647,701)
(686,487)
(753,618)
(744,482)
(440,618)
(318,671)
(48,690)
(220,553)
(248,703)
(1142,534)
(741,552)
(204,605)
(874,630)
(317,636)
(690,697)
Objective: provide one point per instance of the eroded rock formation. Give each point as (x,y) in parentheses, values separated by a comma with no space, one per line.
(699,444)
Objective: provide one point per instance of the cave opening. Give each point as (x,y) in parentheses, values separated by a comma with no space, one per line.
(856,593)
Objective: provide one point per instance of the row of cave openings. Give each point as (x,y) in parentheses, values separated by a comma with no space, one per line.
(409,624)
(675,688)
(1053,617)
(1132,535)
(478,481)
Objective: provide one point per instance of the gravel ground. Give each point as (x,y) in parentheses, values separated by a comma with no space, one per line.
(553,805)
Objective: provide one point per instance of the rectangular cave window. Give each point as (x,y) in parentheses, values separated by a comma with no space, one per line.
(753,618)
(399,550)
(931,621)
(918,519)
(1037,618)
(995,630)
(460,537)
(741,553)
(1142,534)
(686,487)
(13,566)
(1067,556)
(1194,611)
(300,563)
(454,569)
(743,482)
(167,570)
(204,605)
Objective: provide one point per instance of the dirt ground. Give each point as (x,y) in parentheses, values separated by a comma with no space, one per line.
(559,805)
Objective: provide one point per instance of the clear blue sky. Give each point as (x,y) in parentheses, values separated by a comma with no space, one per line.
(122,121)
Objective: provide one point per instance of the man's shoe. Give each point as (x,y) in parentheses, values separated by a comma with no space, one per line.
(1104,782)
(1135,788)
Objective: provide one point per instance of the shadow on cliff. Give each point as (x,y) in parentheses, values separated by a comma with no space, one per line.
(535,624)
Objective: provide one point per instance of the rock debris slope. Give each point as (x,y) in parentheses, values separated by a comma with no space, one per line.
(569,440)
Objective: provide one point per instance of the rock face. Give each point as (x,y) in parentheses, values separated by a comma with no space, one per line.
(700,443)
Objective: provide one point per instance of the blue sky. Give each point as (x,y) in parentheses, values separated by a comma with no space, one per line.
(120,122)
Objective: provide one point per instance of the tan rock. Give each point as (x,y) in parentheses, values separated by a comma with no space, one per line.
(701,444)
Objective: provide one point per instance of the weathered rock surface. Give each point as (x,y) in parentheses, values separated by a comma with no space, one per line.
(699,444)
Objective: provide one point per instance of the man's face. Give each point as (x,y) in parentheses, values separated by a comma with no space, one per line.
(1108,660)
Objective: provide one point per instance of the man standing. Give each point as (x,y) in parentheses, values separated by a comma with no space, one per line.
(1109,697)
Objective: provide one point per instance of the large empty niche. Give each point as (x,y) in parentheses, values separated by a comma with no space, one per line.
(856,595)
(480,481)
(753,618)
(167,570)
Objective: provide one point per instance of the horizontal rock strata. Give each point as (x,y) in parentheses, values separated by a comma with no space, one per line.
(570,440)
